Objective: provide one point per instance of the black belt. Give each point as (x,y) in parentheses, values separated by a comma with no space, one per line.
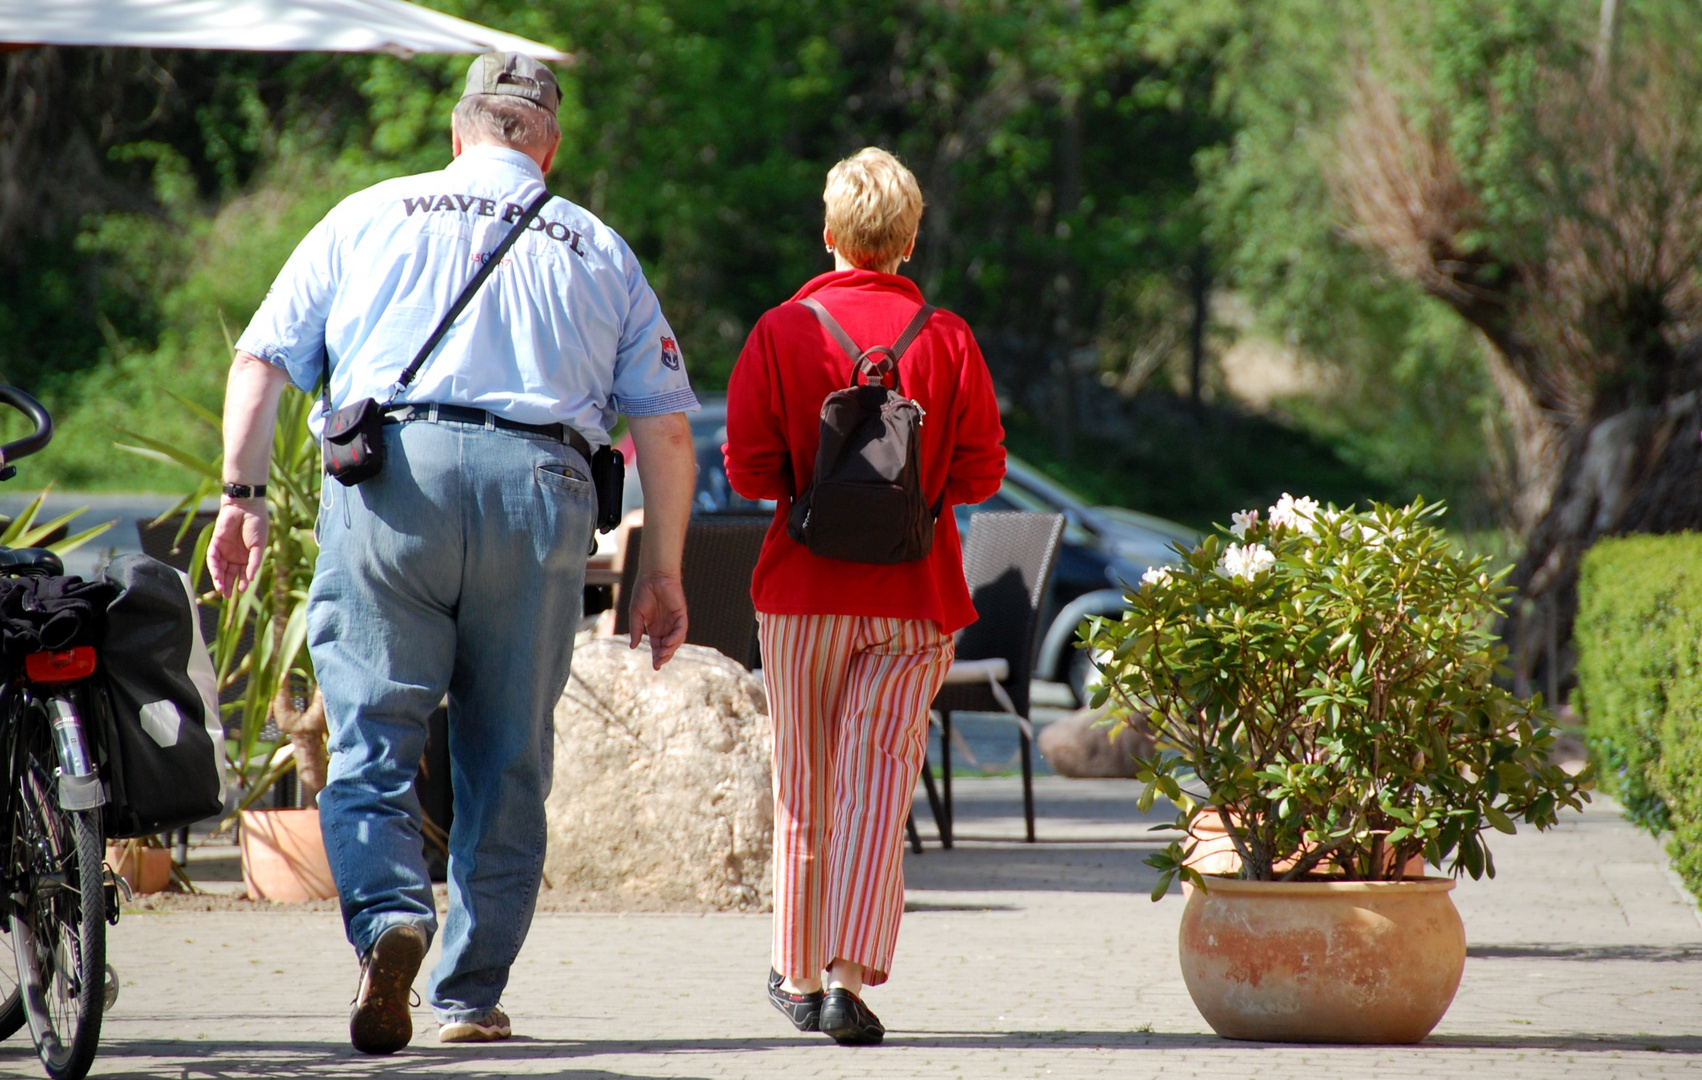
(461,414)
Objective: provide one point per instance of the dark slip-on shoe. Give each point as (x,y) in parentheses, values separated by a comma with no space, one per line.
(804,1010)
(848,1020)
(381,1021)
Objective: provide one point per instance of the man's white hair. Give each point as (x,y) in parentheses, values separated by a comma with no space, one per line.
(511,121)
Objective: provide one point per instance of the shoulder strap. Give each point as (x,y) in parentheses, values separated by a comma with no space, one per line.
(826,318)
(485,270)
(894,351)
(905,339)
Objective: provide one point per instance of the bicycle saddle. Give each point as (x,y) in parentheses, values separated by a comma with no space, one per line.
(30,562)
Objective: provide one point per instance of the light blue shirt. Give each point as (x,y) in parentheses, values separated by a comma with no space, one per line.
(566,330)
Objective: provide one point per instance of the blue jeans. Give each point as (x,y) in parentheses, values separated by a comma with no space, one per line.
(459,569)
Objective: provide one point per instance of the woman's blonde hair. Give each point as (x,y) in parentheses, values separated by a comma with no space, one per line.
(873,207)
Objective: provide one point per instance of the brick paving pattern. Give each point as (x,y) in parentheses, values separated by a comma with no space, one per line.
(1016,961)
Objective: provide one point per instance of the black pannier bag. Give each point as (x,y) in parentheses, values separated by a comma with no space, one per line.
(865,502)
(164,740)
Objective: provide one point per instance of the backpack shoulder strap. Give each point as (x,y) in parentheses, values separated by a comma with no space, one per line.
(826,318)
(905,339)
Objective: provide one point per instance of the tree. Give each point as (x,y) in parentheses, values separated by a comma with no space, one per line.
(1475,149)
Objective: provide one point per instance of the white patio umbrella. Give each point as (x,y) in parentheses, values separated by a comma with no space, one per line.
(388,26)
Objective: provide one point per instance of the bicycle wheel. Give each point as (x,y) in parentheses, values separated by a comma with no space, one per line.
(11,999)
(59,928)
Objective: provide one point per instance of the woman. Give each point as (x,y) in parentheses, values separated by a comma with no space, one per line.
(853,653)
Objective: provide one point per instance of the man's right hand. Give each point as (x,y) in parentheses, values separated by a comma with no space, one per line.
(239,543)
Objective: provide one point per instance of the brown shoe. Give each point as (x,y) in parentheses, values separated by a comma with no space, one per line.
(381,1021)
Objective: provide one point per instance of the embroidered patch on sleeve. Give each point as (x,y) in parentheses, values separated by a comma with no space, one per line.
(670,354)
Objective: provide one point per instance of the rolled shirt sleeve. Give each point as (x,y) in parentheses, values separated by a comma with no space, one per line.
(288,329)
(650,374)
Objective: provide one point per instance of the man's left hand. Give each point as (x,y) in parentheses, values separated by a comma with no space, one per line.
(658,609)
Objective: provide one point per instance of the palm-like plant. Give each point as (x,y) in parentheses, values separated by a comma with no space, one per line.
(262,637)
(25,531)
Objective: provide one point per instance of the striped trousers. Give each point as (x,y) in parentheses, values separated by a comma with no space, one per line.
(848,696)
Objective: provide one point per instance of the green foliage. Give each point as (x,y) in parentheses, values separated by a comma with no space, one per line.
(1639,643)
(1411,403)
(1193,466)
(703,132)
(1324,680)
(262,637)
(25,531)
(202,281)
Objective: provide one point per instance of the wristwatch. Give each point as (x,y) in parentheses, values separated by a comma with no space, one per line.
(245,491)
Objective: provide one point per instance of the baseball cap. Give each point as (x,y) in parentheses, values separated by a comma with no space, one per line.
(516,75)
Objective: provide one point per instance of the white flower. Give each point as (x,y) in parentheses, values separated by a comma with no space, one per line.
(1245,520)
(1157,575)
(1297,514)
(1246,562)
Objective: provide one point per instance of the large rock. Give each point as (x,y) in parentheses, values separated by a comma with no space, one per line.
(661,796)
(1080,745)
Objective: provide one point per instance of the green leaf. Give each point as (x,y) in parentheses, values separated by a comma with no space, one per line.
(171,455)
(1500,820)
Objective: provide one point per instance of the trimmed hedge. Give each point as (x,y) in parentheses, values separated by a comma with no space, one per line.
(1639,645)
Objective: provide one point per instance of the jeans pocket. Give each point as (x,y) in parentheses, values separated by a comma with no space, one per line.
(560,476)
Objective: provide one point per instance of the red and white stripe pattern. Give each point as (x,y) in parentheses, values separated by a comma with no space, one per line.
(848,696)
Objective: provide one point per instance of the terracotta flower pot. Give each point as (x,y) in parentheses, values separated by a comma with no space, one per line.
(1326,962)
(144,869)
(283,856)
(1214,852)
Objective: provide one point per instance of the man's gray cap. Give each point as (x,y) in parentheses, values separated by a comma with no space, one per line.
(514,74)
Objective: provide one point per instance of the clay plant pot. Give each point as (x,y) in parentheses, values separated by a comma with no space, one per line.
(1214,852)
(1324,961)
(283,856)
(144,869)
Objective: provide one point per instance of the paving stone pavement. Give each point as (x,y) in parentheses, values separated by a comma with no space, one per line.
(1015,961)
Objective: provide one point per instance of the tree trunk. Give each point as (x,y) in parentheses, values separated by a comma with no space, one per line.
(306,731)
(1636,471)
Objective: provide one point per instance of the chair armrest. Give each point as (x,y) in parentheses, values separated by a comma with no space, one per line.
(995,670)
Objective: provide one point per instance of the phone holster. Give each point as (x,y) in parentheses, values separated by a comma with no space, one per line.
(608,476)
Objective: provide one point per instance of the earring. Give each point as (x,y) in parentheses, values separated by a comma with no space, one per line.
(907,258)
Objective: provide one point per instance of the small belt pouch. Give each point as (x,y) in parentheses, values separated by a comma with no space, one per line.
(354,442)
(608,476)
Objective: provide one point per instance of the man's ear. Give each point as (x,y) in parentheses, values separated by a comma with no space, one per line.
(549,157)
(455,146)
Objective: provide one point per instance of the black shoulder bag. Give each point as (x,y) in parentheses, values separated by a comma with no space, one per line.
(353,442)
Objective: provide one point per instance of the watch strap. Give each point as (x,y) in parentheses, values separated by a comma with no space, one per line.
(245,491)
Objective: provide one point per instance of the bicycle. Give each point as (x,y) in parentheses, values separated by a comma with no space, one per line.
(56,895)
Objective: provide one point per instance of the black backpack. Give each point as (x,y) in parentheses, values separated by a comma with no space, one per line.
(865,502)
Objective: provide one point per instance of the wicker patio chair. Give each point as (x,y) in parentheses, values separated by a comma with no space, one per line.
(716,569)
(1008,559)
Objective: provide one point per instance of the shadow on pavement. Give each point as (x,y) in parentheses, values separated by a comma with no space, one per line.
(1080,867)
(1663,954)
(303,1059)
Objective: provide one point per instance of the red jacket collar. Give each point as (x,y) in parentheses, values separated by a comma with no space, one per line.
(873,280)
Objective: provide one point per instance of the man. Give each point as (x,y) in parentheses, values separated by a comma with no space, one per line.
(459,568)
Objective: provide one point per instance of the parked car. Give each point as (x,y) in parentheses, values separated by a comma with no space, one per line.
(1105,548)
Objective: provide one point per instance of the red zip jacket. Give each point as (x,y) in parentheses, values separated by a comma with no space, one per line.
(788,366)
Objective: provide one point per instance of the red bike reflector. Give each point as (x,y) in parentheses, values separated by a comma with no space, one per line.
(60,667)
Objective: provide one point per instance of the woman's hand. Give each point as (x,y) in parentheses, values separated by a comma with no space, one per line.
(239,543)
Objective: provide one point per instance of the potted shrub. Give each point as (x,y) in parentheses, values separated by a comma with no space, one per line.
(1322,683)
(277,725)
